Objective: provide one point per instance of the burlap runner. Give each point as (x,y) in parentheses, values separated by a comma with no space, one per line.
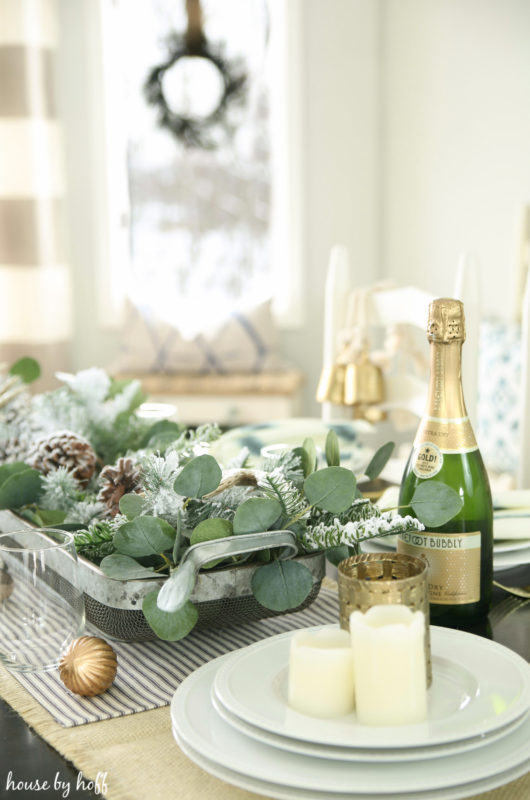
(141,758)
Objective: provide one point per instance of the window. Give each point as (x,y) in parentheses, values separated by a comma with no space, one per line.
(195,233)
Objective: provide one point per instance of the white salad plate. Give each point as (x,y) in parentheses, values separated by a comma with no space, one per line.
(359,753)
(478,687)
(281,792)
(200,731)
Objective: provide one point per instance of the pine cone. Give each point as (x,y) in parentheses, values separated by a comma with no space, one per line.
(64,449)
(13,449)
(122,478)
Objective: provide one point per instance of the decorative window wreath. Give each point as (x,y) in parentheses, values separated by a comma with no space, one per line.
(195,131)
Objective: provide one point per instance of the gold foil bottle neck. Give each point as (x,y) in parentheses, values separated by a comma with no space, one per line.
(446,321)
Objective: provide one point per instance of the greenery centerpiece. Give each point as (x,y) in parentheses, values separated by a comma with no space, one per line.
(141,496)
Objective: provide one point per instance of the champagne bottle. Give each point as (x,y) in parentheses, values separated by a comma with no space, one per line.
(459,553)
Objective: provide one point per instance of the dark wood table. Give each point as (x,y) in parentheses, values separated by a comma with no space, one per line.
(29,757)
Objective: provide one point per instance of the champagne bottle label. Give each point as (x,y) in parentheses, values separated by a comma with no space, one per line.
(454,564)
(428,460)
(449,435)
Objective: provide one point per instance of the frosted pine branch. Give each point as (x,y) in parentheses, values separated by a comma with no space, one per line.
(288,462)
(60,490)
(291,499)
(322,536)
(85,512)
(240,461)
(362,508)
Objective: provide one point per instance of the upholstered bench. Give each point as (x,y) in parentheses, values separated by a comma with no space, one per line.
(234,399)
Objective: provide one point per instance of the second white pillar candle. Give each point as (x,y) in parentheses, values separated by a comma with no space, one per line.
(321,673)
(389,659)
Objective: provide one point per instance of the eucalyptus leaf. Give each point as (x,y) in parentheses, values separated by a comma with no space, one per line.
(178,588)
(281,585)
(435,503)
(304,459)
(162,426)
(178,538)
(32,515)
(169,626)
(144,536)
(200,476)
(162,440)
(256,514)
(27,368)
(131,505)
(379,460)
(337,554)
(311,450)
(21,488)
(213,528)
(332,449)
(51,517)
(209,529)
(125,568)
(331,489)
(6,470)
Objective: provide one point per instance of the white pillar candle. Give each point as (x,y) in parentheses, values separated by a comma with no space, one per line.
(389,659)
(321,673)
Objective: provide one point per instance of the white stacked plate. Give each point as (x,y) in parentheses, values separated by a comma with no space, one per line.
(231,717)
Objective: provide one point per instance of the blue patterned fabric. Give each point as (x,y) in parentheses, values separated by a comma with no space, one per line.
(499,394)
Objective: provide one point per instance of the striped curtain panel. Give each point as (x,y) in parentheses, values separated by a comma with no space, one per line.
(35,290)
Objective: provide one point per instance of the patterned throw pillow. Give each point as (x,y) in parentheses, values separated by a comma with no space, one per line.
(245,342)
(499,394)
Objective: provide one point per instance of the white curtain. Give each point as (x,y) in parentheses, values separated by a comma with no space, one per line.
(35,290)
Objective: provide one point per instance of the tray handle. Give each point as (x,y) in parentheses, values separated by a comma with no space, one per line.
(203,552)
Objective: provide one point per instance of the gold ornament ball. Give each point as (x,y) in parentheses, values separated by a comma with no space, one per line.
(88,666)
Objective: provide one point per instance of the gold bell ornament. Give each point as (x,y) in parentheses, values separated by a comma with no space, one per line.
(331,384)
(364,388)
(88,666)
(354,380)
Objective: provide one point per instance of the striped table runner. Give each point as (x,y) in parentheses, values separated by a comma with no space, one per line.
(149,672)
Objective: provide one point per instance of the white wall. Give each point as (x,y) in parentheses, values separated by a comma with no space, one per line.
(455,139)
(340,108)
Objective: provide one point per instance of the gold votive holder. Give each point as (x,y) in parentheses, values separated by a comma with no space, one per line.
(374,579)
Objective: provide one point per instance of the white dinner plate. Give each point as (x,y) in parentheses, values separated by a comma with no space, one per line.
(276,790)
(200,728)
(511,498)
(478,686)
(359,753)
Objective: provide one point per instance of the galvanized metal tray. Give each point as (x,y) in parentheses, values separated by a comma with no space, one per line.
(223,596)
